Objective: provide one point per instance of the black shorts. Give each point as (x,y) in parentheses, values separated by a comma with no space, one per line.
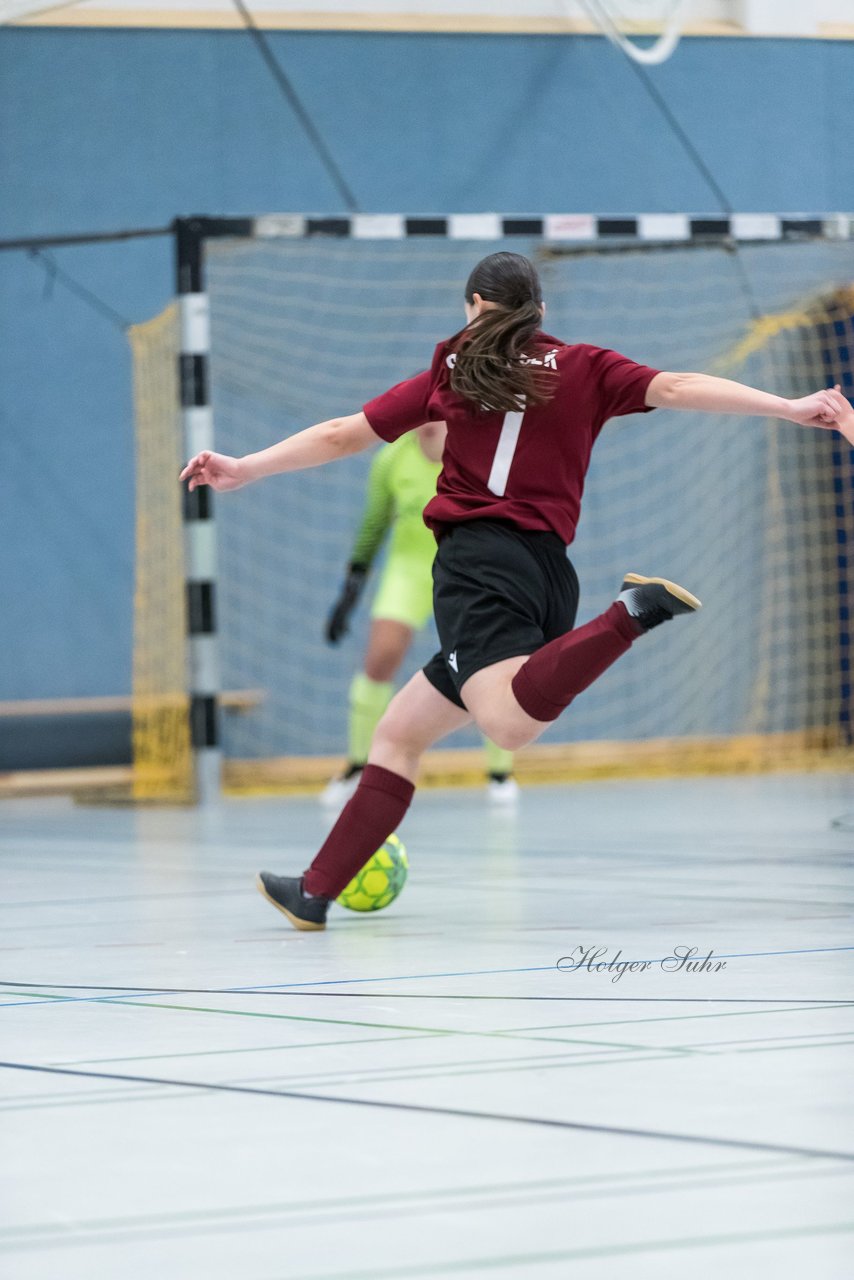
(498,592)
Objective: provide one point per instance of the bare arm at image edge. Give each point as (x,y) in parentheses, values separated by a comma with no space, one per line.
(703,393)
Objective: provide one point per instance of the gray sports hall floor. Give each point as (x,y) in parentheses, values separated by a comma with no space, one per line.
(423,1092)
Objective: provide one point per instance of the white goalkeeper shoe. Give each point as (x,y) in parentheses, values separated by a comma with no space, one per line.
(337,792)
(503,791)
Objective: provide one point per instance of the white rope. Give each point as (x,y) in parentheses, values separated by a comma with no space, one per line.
(657,53)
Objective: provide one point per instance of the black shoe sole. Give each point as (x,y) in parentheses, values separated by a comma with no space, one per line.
(305,926)
(637,580)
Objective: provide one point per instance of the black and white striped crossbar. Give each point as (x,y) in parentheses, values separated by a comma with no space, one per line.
(557,228)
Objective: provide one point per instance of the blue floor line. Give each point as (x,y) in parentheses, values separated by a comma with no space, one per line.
(135,992)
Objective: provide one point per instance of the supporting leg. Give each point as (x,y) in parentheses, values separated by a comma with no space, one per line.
(418,716)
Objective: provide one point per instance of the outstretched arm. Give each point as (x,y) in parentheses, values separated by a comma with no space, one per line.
(706,394)
(337,438)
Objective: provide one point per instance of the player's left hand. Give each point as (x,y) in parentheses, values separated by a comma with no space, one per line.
(844,419)
(817,410)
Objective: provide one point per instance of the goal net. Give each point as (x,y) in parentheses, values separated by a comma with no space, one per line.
(755,517)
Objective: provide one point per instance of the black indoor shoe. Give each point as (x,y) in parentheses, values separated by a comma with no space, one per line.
(285,893)
(655,600)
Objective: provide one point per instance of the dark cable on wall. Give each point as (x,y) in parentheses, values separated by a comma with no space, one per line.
(82,237)
(704,170)
(680,134)
(292,98)
(698,162)
(54,273)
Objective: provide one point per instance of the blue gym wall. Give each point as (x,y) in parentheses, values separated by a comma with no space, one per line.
(112,129)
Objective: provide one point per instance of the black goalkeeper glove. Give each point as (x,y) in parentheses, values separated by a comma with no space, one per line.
(337,624)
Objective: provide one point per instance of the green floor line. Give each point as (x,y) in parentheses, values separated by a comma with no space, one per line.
(437,1073)
(261,1048)
(782,1048)
(272,1218)
(578,1255)
(97,1097)
(602,1044)
(280,1017)
(687,1017)
(772,1163)
(348,1022)
(806,1035)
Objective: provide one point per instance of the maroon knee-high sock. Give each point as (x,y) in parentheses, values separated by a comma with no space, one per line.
(372,813)
(555,674)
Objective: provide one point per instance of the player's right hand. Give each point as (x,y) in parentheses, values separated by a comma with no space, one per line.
(219,470)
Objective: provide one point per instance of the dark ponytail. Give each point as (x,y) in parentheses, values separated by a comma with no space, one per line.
(490,368)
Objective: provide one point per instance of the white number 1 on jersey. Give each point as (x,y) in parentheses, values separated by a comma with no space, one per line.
(503,460)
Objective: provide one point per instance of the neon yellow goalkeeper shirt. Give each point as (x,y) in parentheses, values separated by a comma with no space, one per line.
(400,484)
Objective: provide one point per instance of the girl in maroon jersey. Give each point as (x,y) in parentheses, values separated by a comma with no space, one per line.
(523,412)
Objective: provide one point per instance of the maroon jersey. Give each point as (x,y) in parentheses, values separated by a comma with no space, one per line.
(529,467)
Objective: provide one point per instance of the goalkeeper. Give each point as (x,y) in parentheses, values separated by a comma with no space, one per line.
(401,482)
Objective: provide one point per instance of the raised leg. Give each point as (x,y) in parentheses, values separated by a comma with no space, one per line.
(515,700)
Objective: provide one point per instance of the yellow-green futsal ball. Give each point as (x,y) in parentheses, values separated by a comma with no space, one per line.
(380,880)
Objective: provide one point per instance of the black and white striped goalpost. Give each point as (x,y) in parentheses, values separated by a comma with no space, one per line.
(568,231)
(198,509)
(199,531)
